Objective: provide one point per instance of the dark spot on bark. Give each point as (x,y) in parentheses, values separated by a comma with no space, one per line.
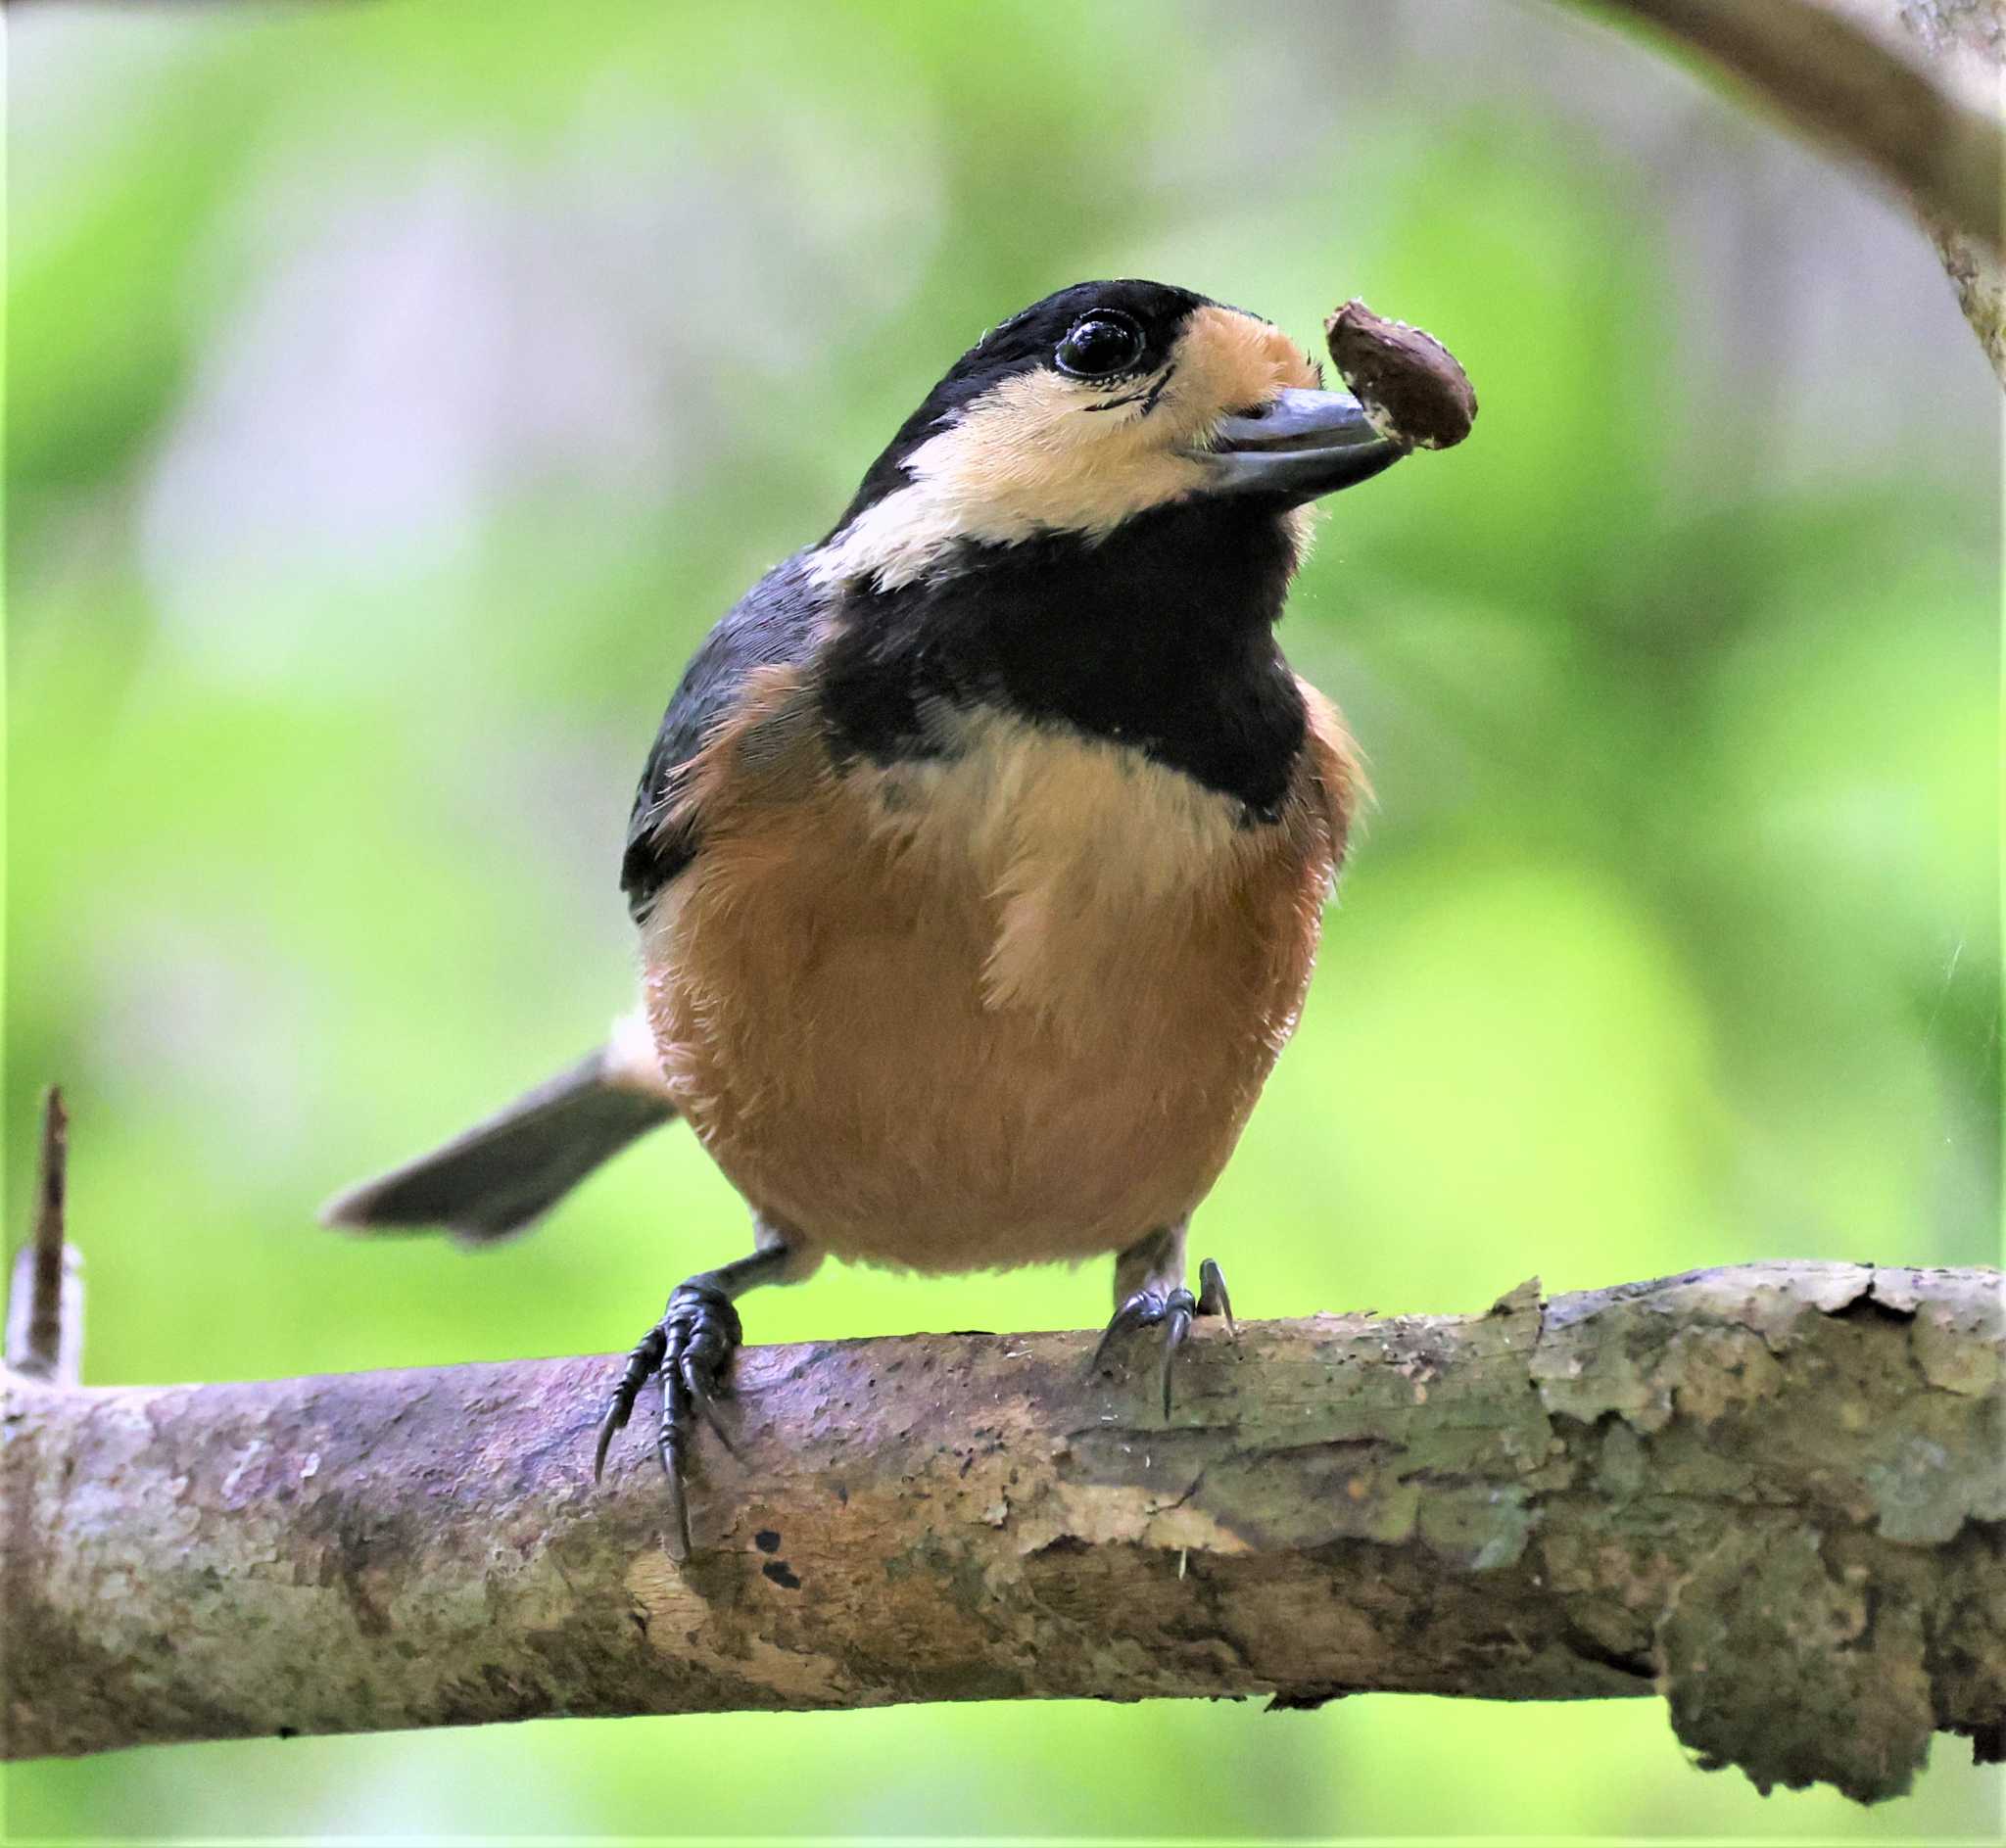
(777,1571)
(1868,1308)
(364,1553)
(1638,1664)
(1870,1612)
(767,1541)
(1307,1699)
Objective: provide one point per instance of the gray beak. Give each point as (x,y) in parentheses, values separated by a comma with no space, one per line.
(1299,446)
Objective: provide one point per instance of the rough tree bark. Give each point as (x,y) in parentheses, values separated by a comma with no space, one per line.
(1774,1494)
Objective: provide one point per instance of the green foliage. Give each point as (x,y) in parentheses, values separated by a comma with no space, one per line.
(397,393)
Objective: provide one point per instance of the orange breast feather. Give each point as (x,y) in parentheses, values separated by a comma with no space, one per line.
(1008,1007)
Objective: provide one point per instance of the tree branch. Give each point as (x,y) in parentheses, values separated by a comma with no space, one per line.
(1773,1494)
(1908,89)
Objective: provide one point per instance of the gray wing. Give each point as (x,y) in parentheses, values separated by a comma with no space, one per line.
(776,622)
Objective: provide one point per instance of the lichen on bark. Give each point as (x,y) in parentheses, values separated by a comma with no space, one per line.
(1773,1494)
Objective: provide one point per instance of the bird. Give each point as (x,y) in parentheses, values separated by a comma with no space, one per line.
(981,860)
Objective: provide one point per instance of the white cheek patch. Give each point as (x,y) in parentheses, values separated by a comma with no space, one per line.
(893,542)
(1042,453)
(1039,454)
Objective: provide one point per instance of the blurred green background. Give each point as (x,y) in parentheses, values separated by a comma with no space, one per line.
(397,394)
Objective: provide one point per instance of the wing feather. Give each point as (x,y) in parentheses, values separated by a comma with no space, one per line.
(777,624)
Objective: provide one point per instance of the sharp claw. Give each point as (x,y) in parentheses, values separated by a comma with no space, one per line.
(679,1506)
(706,1403)
(1177,1324)
(610,1428)
(1140,1309)
(641,1365)
(1212,1298)
(669,1447)
(690,1348)
(668,1450)
(701,1391)
(1175,1312)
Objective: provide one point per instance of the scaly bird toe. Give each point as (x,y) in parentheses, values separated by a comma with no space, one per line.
(1174,1312)
(691,1349)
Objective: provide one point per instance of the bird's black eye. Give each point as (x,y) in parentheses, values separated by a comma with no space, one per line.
(1100,345)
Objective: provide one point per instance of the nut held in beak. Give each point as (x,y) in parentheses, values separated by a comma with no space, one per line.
(1411,388)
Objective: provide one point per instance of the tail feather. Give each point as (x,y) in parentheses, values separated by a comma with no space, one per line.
(500,1176)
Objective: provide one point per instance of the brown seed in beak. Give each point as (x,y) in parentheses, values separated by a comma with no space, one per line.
(1411,388)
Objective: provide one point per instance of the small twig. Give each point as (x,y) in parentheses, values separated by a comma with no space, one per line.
(45,1313)
(45,1303)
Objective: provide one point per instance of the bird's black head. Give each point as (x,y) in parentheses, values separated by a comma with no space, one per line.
(1091,525)
(1106,401)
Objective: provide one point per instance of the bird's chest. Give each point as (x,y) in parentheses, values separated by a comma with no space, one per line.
(1021,995)
(1068,873)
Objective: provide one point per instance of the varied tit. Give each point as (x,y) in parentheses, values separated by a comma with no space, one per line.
(981,860)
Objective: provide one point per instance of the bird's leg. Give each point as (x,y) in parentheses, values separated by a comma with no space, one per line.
(691,1349)
(1150,1292)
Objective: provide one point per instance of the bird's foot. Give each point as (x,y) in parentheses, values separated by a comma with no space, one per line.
(1171,1310)
(691,1349)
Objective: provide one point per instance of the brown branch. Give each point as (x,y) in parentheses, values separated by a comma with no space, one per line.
(1908,89)
(1854,91)
(1773,1494)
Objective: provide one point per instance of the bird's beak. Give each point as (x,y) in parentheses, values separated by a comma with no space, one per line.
(1298,447)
